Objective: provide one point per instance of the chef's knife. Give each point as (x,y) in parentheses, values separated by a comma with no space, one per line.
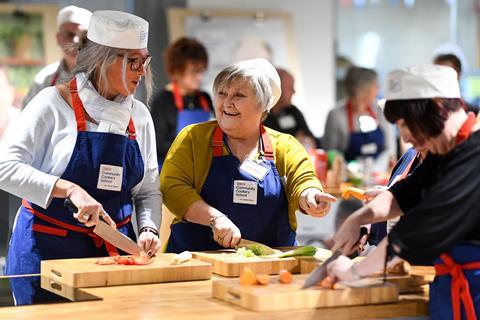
(320,272)
(255,246)
(111,235)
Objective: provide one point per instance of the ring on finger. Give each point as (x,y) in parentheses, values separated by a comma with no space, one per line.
(220,238)
(86,216)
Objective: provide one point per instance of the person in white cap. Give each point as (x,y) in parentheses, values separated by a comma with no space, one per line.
(438,201)
(222,179)
(71,22)
(90,141)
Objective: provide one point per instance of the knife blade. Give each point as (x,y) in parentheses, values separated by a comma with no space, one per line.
(320,272)
(111,235)
(253,245)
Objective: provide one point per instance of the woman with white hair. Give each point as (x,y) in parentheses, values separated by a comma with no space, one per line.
(235,178)
(90,141)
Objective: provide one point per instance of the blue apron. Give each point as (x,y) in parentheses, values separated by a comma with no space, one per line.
(403,168)
(466,258)
(360,141)
(266,222)
(53,233)
(188,117)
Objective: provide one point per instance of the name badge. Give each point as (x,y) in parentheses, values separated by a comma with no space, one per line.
(369,148)
(254,169)
(287,122)
(104,127)
(110,178)
(245,192)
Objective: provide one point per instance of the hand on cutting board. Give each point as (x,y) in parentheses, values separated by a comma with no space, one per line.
(341,269)
(225,232)
(346,239)
(315,203)
(89,209)
(149,242)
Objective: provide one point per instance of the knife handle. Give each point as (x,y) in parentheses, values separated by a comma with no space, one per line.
(69,205)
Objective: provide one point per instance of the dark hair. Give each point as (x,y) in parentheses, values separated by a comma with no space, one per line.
(357,78)
(182,51)
(453,59)
(425,117)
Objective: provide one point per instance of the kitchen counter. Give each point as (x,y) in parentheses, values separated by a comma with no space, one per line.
(192,300)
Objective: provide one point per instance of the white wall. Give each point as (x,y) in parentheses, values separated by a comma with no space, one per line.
(313,24)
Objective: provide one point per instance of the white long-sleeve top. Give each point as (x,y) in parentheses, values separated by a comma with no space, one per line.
(37,150)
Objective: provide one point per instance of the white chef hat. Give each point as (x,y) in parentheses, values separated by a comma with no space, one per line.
(423,82)
(118,29)
(73,14)
(262,67)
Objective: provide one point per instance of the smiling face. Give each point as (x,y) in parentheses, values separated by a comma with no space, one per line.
(237,110)
(116,85)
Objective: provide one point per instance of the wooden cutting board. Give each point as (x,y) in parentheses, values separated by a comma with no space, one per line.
(276,296)
(226,263)
(84,273)
(410,283)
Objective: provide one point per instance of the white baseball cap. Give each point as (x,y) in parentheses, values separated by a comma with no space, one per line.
(422,82)
(73,14)
(263,66)
(118,29)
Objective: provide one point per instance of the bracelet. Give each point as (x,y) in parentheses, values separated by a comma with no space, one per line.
(212,220)
(355,272)
(149,229)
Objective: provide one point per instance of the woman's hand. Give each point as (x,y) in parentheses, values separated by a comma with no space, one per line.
(89,209)
(373,193)
(315,203)
(149,242)
(347,236)
(341,269)
(225,232)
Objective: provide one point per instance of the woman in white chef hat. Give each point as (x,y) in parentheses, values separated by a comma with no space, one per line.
(92,142)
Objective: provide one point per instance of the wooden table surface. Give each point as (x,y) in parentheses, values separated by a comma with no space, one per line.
(192,300)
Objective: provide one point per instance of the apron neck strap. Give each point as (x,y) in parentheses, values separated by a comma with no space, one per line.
(217,143)
(79,111)
(350,114)
(178,99)
(466,129)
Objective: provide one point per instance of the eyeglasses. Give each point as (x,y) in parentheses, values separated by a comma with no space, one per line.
(136,63)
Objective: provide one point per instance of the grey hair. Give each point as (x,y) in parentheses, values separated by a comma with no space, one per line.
(358,78)
(93,59)
(259,82)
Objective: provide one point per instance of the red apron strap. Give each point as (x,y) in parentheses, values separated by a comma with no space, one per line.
(217,142)
(350,114)
(267,145)
(460,289)
(466,129)
(177,97)
(132,135)
(77,106)
(89,232)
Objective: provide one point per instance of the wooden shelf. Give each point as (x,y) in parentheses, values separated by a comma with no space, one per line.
(17,61)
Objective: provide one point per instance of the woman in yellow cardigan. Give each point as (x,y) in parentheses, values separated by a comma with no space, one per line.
(233,178)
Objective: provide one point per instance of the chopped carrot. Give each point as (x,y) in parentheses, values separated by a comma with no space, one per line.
(354,192)
(247,277)
(285,277)
(263,279)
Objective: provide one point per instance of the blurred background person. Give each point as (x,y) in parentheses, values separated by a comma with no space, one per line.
(181,102)
(357,127)
(287,118)
(71,21)
(452,61)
